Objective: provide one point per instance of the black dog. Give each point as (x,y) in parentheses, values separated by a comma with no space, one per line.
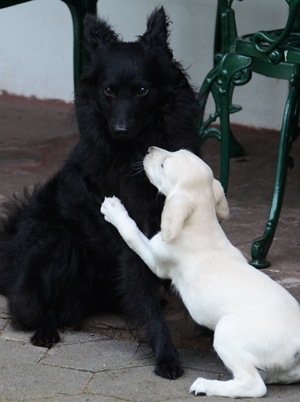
(59,259)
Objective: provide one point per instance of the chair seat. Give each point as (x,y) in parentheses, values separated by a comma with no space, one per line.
(288,50)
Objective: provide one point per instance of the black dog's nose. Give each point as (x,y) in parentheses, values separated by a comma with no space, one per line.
(121,131)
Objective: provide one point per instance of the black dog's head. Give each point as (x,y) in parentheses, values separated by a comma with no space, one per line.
(127,82)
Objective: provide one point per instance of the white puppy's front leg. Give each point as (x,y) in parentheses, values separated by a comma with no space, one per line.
(115,213)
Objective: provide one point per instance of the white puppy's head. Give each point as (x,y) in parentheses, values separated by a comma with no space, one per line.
(185,180)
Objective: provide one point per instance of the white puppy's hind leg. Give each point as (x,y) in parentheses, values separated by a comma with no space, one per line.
(246,380)
(246,384)
(282,377)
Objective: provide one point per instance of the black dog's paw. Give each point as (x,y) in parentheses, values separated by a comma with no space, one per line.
(45,337)
(169,368)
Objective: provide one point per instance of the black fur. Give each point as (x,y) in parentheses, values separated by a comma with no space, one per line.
(59,259)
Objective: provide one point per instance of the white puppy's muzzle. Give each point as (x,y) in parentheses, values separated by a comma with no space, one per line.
(153,165)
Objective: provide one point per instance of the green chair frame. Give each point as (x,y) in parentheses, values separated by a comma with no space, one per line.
(78,9)
(273,54)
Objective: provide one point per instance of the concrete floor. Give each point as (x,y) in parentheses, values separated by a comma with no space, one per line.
(36,136)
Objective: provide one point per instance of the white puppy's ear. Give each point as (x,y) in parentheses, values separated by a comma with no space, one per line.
(222,208)
(176,210)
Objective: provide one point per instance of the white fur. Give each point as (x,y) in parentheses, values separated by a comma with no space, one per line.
(256,321)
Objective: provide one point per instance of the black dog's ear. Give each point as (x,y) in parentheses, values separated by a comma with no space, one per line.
(157,28)
(97,33)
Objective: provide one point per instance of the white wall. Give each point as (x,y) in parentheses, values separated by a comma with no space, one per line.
(36,47)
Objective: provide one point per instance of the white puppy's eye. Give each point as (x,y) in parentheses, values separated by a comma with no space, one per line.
(162,164)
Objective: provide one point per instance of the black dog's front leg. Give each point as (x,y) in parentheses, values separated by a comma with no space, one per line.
(46,334)
(142,302)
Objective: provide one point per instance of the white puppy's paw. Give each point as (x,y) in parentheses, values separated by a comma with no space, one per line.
(113,209)
(199,387)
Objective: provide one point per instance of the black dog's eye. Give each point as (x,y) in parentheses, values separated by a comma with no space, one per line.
(108,92)
(142,91)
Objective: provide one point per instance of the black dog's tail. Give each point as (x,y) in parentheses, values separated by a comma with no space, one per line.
(12,213)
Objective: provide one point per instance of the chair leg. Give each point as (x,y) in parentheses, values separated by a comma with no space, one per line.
(210,85)
(77,19)
(78,11)
(233,71)
(225,36)
(289,132)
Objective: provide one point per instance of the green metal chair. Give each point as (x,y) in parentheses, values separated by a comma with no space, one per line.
(271,53)
(78,9)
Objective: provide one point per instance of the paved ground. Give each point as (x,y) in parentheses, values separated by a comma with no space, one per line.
(103,362)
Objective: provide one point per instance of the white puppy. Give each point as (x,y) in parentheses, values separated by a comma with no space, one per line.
(256,321)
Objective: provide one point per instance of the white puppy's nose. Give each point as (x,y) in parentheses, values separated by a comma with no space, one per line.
(153,149)
(150,151)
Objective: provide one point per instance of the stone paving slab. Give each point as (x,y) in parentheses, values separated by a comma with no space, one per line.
(14,353)
(26,375)
(208,361)
(97,356)
(141,384)
(27,382)
(81,398)
(2,324)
